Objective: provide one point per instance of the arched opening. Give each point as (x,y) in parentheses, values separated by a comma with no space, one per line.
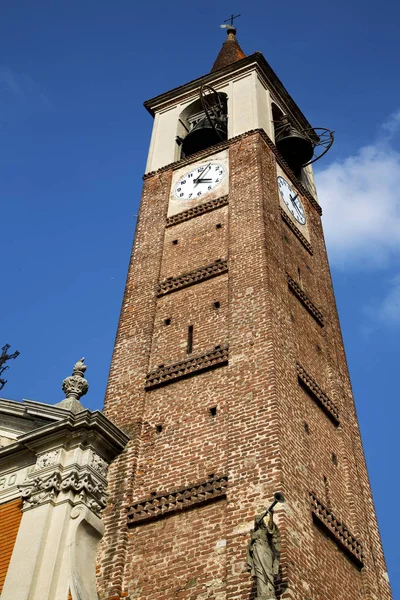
(277,118)
(201,125)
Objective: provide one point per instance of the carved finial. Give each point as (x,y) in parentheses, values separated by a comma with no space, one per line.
(76,385)
(79,367)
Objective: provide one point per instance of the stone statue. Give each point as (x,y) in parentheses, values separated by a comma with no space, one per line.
(263,554)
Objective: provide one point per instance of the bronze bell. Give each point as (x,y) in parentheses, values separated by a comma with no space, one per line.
(203,135)
(295,148)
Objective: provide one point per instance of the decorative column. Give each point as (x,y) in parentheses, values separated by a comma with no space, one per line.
(63,497)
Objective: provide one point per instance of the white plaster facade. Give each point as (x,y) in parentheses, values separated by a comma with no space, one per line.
(56,461)
(251,89)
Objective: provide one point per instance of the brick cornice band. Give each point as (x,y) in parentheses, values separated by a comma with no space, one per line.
(164,503)
(296,231)
(197,211)
(217,357)
(316,392)
(172,284)
(305,300)
(337,531)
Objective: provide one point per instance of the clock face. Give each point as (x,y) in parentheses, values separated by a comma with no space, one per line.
(292,200)
(200,181)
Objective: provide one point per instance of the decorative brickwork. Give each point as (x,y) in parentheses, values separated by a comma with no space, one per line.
(337,531)
(196,211)
(164,503)
(218,357)
(305,300)
(251,419)
(297,232)
(177,283)
(323,400)
(10,518)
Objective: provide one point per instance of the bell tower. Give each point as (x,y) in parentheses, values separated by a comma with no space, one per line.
(229,372)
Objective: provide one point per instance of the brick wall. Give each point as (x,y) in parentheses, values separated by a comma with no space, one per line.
(270,428)
(10,518)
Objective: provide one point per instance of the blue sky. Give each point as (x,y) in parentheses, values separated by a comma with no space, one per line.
(73,143)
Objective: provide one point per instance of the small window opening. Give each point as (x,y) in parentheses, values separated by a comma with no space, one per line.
(217,304)
(211,476)
(218,226)
(190,339)
(300,278)
(159,428)
(167,321)
(175,242)
(213,411)
(307,428)
(153,493)
(334,459)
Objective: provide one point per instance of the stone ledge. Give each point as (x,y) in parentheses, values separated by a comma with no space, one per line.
(197,211)
(297,232)
(173,284)
(327,405)
(305,300)
(164,503)
(337,531)
(218,357)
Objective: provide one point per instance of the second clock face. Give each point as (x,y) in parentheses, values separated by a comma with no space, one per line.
(292,200)
(199,181)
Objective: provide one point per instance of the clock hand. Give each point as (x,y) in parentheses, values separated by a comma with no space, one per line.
(195,181)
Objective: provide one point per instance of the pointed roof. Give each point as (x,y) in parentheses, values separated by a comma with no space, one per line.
(230,52)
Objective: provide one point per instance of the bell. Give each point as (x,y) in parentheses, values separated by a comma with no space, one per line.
(295,148)
(203,135)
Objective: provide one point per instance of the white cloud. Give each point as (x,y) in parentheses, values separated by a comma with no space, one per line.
(360,197)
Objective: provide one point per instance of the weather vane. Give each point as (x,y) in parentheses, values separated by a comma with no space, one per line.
(230,21)
(4,357)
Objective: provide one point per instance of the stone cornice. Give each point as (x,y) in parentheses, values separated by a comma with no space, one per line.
(226,144)
(172,501)
(81,424)
(327,405)
(305,300)
(340,534)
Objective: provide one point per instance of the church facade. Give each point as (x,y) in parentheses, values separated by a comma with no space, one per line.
(229,373)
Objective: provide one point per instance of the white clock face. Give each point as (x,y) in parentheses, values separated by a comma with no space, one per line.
(200,181)
(292,200)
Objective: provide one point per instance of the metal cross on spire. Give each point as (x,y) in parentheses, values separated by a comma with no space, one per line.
(4,357)
(231,19)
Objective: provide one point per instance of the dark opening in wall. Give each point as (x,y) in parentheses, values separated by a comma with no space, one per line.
(217,304)
(218,226)
(307,428)
(334,459)
(190,339)
(159,428)
(174,242)
(167,321)
(213,411)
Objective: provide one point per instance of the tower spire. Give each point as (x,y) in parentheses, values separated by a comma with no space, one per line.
(231,51)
